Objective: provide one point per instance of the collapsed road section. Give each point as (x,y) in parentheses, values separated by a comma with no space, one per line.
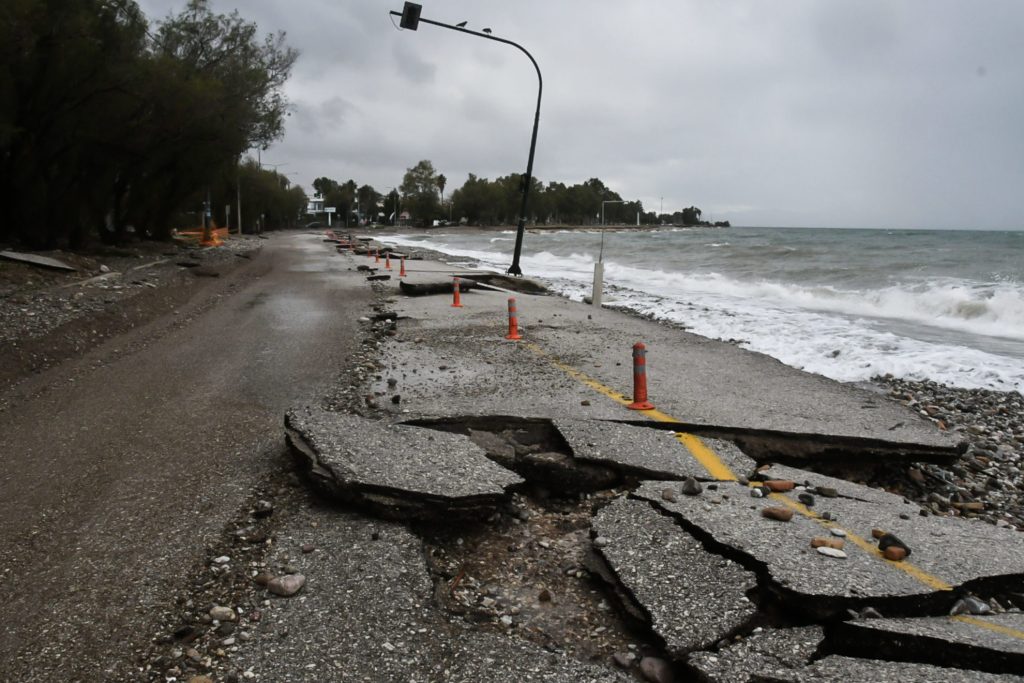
(697,566)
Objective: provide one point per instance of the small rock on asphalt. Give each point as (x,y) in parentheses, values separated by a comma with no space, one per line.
(777,513)
(894,553)
(691,487)
(656,670)
(221,613)
(623,660)
(263,508)
(832,552)
(287,585)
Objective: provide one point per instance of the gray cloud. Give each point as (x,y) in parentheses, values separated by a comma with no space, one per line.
(847,113)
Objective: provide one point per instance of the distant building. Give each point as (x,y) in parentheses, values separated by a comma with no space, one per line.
(315,205)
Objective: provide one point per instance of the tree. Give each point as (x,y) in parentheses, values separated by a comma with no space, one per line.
(419,194)
(391,206)
(691,215)
(369,201)
(441,182)
(104,123)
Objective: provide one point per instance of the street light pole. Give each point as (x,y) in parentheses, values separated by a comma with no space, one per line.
(411,19)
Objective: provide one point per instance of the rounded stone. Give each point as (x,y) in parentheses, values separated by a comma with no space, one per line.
(221,613)
(656,670)
(779,514)
(894,553)
(823,542)
(832,552)
(287,585)
(691,487)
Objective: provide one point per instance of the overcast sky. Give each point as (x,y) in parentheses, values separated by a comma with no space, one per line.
(855,113)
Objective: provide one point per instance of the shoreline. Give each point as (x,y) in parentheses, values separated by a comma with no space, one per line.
(989,472)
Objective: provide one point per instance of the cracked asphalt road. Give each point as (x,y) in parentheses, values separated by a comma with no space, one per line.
(121,467)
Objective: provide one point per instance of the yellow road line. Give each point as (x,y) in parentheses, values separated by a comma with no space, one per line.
(865,545)
(719,470)
(704,455)
(996,628)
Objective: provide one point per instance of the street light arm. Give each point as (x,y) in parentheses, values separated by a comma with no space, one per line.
(488,36)
(514,269)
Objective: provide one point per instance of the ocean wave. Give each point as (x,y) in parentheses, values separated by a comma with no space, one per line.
(992,309)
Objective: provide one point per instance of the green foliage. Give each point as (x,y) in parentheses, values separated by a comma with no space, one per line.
(691,215)
(268,199)
(104,123)
(419,193)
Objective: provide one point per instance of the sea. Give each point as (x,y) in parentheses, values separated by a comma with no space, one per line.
(850,304)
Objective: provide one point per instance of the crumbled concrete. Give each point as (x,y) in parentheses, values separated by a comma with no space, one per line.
(367,614)
(773,654)
(693,598)
(947,641)
(394,469)
(644,451)
(813,584)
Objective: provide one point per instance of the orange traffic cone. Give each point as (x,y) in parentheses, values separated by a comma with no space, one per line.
(513,321)
(456,300)
(401,272)
(640,401)
(387,261)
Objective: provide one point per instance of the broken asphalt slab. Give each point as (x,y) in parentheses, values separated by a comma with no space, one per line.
(794,655)
(992,643)
(775,654)
(587,455)
(644,452)
(396,470)
(947,553)
(706,386)
(692,598)
(851,670)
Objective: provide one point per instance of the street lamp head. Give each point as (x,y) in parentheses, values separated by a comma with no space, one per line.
(462,24)
(487,30)
(411,16)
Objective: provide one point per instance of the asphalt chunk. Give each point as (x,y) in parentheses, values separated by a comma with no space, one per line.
(693,598)
(396,470)
(775,654)
(990,643)
(821,587)
(644,451)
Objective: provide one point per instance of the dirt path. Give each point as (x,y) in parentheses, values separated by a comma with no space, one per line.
(119,468)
